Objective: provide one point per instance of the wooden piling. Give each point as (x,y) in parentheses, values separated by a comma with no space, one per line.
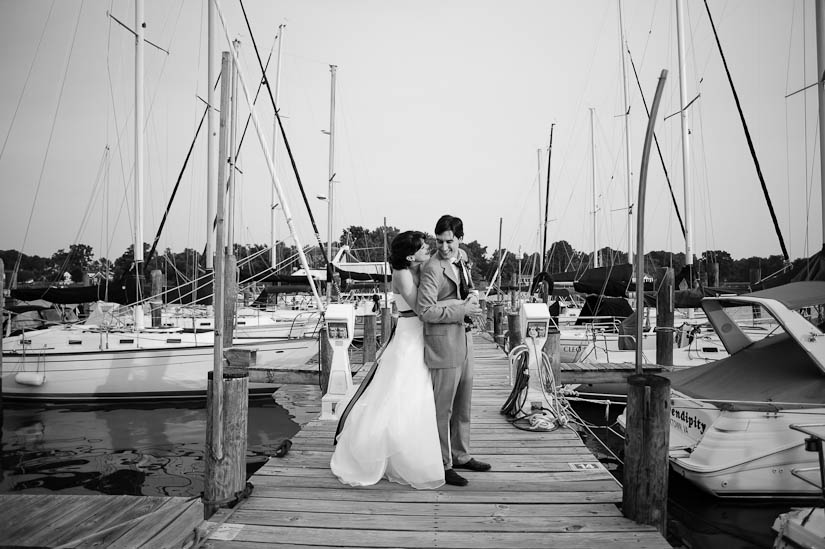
(369,338)
(498,323)
(514,337)
(230,298)
(664,316)
(386,324)
(225,478)
(714,273)
(490,322)
(156,304)
(646,450)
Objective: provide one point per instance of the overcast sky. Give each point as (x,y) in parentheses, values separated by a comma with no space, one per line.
(441,107)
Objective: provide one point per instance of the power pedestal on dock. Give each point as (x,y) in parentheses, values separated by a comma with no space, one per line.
(340,324)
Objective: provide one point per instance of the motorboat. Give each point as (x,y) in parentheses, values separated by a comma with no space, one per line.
(730,419)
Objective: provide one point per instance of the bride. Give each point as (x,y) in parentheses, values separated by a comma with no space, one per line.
(390,431)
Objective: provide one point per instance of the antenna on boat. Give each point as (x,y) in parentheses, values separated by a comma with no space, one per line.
(546,201)
(273,250)
(331,176)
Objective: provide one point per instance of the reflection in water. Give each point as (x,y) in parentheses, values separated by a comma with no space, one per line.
(695,519)
(134,449)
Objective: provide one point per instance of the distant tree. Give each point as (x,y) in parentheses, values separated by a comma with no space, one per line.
(76,261)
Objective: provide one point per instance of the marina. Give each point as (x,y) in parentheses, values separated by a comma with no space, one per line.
(626,395)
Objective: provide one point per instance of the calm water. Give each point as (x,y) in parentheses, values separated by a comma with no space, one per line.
(151,450)
(143,450)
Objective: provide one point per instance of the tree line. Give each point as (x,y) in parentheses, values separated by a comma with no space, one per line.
(366,245)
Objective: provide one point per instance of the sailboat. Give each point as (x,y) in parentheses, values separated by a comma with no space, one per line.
(107,358)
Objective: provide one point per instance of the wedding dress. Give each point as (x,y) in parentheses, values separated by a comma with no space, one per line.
(390,430)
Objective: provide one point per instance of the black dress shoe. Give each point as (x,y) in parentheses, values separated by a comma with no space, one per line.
(473,465)
(453,478)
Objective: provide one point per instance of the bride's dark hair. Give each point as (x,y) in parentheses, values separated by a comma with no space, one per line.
(404,244)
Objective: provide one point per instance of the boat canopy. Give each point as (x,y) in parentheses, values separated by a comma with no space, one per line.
(794,295)
(769,374)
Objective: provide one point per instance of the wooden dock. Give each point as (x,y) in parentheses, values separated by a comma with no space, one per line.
(47,520)
(546,489)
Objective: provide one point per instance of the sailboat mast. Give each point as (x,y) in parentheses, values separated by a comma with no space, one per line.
(680,38)
(593,189)
(629,186)
(138,233)
(331,175)
(820,69)
(273,219)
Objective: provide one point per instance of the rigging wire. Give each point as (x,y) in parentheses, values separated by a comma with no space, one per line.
(48,143)
(26,82)
(748,138)
(286,143)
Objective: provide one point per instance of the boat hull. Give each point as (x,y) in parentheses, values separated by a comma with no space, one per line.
(111,366)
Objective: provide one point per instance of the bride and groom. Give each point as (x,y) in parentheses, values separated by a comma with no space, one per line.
(410,420)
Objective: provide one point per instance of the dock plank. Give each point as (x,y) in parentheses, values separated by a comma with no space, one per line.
(54,520)
(546,489)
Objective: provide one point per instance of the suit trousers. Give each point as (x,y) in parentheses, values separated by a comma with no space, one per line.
(453,392)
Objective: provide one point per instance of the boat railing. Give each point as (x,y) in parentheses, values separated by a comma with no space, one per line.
(814,443)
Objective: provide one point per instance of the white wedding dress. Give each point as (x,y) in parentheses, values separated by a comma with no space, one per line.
(390,430)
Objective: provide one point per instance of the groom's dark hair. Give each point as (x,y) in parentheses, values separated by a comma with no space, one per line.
(448,222)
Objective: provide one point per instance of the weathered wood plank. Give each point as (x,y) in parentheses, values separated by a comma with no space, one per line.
(433,538)
(434,520)
(432,496)
(537,510)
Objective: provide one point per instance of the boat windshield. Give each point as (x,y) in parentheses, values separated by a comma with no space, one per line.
(755,321)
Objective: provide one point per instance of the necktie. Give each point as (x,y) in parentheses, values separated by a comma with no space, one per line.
(463,287)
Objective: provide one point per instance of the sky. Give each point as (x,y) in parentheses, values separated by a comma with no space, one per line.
(440,107)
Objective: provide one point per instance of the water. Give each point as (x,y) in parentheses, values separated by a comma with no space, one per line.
(150,450)
(695,520)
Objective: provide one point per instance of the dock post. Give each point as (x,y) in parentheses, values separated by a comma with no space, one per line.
(490,317)
(646,450)
(664,316)
(225,479)
(324,358)
(156,305)
(714,272)
(513,330)
(386,325)
(369,338)
(498,323)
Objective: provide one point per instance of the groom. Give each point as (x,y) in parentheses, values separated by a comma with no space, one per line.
(448,346)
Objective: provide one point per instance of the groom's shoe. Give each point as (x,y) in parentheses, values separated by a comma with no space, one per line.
(473,465)
(453,478)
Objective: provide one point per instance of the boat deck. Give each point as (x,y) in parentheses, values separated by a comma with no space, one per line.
(546,489)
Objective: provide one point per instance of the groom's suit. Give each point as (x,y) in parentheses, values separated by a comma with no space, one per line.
(448,352)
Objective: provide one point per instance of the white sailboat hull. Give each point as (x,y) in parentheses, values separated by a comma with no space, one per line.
(73,364)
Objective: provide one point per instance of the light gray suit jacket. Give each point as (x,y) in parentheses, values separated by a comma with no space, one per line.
(445,342)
